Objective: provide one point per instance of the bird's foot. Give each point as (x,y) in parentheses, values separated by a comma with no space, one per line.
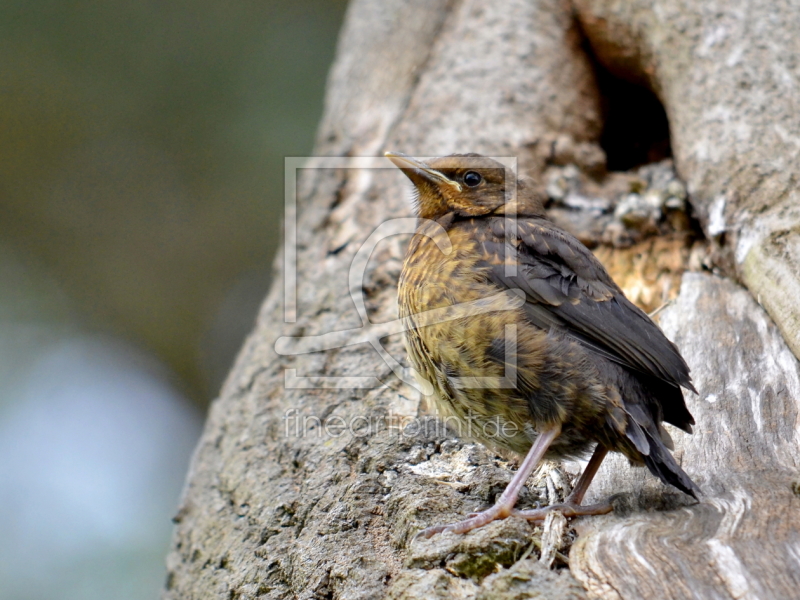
(568,509)
(475,520)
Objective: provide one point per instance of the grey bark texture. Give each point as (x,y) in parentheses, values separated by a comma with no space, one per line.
(316,492)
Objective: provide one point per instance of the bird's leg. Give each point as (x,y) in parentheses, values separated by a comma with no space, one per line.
(505,505)
(572,505)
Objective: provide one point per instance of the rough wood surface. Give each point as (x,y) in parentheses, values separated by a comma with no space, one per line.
(742,539)
(729,77)
(316,492)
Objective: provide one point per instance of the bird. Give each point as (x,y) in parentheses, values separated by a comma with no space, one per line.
(567,368)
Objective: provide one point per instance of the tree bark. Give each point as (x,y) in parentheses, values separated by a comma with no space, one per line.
(301,489)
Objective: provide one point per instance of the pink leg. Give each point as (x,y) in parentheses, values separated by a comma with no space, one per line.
(572,505)
(508,499)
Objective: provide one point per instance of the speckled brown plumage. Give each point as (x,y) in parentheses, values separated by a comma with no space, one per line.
(585,363)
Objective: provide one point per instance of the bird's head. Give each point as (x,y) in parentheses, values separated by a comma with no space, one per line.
(468,185)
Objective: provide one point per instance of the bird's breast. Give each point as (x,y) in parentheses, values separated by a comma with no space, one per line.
(435,277)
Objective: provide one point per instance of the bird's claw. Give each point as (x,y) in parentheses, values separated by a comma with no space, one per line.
(474,521)
(568,509)
(429,532)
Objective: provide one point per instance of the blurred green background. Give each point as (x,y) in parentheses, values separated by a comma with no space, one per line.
(141,187)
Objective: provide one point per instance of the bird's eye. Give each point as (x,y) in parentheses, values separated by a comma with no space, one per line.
(471,178)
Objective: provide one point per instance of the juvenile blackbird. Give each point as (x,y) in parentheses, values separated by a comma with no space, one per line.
(586,367)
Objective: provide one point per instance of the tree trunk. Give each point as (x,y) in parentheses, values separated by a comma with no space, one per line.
(304,487)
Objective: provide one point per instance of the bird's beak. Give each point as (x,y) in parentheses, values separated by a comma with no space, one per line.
(418,172)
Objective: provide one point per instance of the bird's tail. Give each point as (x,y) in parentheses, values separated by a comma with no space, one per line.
(662,464)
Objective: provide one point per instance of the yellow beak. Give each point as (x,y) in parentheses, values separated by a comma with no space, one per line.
(417,171)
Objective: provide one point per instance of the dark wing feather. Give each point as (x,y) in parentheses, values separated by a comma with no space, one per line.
(568,288)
